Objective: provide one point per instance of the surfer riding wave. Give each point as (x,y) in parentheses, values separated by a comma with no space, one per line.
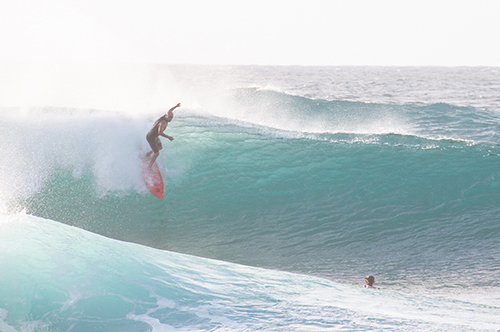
(153,136)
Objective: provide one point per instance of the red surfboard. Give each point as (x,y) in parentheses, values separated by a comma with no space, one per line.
(152,178)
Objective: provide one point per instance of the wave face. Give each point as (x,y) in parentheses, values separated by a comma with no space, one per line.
(295,180)
(61,278)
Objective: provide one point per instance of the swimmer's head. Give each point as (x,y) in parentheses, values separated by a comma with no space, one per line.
(370,280)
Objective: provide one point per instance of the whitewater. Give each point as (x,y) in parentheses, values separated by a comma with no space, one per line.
(284,188)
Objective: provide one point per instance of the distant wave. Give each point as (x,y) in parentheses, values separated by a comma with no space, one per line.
(268,108)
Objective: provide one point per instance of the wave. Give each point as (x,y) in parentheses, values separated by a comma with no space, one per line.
(327,203)
(60,278)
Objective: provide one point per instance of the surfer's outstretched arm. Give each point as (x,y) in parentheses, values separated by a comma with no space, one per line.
(173,108)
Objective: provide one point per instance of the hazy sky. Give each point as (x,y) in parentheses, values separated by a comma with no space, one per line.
(269,32)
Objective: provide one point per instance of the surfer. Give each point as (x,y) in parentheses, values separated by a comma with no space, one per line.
(369,281)
(157,130)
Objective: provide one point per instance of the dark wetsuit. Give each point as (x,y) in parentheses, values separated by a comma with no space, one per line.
(153,137)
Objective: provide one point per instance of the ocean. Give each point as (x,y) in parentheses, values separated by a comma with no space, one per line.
(284,188)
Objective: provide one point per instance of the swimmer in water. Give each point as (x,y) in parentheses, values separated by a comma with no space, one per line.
(369,281)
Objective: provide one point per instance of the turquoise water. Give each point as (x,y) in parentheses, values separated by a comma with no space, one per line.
(283,192)
(62,278)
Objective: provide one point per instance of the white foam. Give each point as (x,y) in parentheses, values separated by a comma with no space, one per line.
(3,325)
(36,143)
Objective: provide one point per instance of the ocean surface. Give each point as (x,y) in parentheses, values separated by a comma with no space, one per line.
(284,188)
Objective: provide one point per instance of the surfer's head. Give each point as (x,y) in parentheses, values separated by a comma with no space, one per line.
(170,115)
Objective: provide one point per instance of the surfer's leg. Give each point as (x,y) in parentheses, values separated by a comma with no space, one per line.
(155,145)
(153,159)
